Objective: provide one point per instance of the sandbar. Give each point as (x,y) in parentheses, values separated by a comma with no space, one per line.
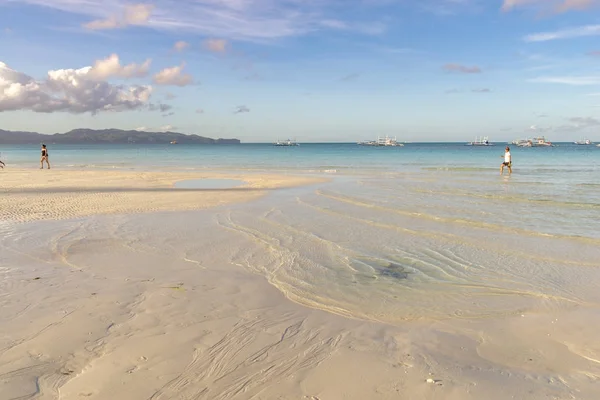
(29,195)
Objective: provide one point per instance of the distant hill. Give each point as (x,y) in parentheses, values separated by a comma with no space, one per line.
(91,136)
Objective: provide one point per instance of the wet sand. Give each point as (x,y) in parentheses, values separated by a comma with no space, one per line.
(141,297)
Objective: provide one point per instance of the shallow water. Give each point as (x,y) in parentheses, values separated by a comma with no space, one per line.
(421,231)
(208,184)
(390,248)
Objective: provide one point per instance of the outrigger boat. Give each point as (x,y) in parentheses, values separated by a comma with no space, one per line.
(540,141)
(286,143)
(382,141)
(584,142)
(480,141)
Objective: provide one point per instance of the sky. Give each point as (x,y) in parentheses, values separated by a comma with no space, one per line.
(313,70)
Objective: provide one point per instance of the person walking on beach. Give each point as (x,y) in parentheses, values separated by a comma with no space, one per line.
(507,161)
(44,157)
(2,165)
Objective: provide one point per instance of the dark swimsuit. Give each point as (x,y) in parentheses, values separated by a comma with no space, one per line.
(44,153)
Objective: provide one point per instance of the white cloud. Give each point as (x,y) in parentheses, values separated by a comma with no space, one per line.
(556,6)
(173,76)
(216,45)
(68,90)
(254,20)
(111,67)
(131,14)
(569,80)
(539,129)
(588,30)
(165,128)
(180,46)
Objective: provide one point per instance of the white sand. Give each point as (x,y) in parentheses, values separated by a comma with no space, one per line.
(135,307)
(54,194)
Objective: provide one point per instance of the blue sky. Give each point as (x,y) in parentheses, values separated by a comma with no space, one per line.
(316,70)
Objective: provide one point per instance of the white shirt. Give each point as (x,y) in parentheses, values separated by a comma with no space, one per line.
(507,157)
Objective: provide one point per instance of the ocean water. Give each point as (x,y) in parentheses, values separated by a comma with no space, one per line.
(396,234)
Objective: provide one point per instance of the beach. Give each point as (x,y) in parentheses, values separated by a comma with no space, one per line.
(327,276)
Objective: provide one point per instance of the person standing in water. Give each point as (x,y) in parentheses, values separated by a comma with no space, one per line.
(44,157)
(507,161)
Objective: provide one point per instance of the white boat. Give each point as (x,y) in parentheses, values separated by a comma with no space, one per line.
(522,142)
(540,141)
(382,141)
(527,143)
(480,141)
(584,142)
(286,143)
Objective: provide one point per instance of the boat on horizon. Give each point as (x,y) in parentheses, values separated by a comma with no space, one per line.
(174,142)
(382,142)
(480,141)
(522,143)
(286,143)
(584,142)
(540,141)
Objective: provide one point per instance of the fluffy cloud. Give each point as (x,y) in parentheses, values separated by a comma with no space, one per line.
(180,46)
(558,6)
(216,45)
(482,90)
(173,76)
(463,69)
(70,90)
(111,67)
(131,14)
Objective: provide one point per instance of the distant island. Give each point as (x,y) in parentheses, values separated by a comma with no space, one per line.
(104,136)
